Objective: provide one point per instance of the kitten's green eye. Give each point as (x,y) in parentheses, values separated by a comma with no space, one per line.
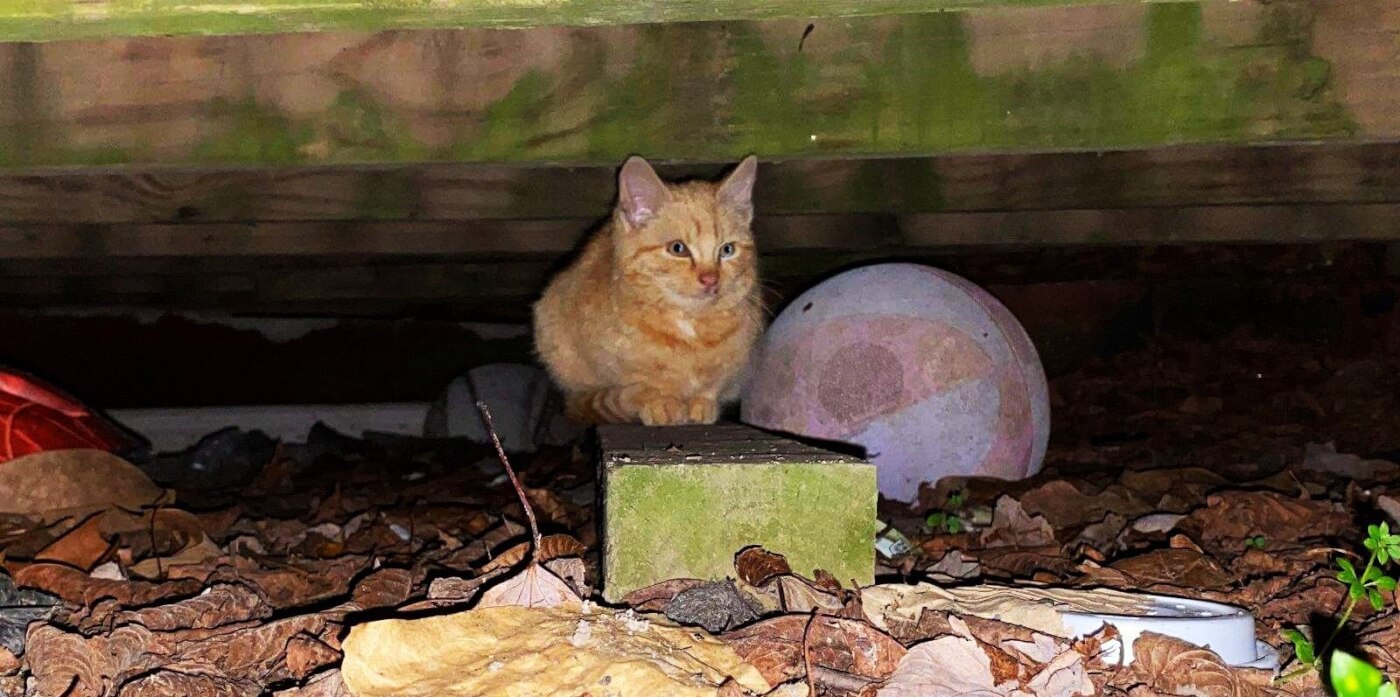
(678,248)
(726,250)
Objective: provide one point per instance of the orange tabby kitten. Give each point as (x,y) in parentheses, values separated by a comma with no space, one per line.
(657,318)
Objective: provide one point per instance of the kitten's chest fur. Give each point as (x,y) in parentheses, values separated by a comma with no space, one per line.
(622,335)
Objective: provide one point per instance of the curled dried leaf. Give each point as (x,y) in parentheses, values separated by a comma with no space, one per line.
(756,566)
(535,586)
(1175,667)
(851,647)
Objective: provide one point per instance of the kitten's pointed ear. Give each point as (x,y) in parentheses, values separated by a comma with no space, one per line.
(640,191)
(736,191)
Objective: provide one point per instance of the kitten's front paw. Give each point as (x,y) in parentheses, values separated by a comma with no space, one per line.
(703,411)
(665,411)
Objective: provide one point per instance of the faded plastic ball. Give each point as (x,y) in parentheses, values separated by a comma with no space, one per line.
(928,372)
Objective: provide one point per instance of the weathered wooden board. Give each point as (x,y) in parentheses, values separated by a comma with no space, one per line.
(984,79)
(1191,176)
(49,20)
(483,286)
(75,249)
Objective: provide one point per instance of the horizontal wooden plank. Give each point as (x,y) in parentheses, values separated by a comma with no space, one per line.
(981,80)
(1191,176)
(478,239)
(51,20)
(76,248)
(1278,224)
(457,290)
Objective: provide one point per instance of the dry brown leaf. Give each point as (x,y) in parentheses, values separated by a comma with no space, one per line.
(164,683)
(57,482)
(846,646)
(572,571)
(291,585)
(220,605)
(1183,568)
(1064,505)
(83,547)
(551,547)
(451,593)
(1231,517)
(949,666)
(78,588)
(1019,562)
(258,653)
(1012,527)
(1175,667)
(797,595)
(551,506)
(534,586)
(66,664)
(383,588)
(755,565)
(307,654)
(327,684)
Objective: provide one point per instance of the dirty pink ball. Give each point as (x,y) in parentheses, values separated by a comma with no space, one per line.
(926,371)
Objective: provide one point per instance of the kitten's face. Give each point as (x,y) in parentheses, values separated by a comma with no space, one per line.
(689,242)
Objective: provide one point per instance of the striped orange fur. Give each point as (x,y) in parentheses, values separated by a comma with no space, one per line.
(656,320)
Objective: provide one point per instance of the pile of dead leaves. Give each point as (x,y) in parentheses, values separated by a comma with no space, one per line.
(1236,471)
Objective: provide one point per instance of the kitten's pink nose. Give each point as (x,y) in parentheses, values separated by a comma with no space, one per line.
(709,279)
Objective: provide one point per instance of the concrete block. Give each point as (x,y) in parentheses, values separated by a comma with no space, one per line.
(680,502)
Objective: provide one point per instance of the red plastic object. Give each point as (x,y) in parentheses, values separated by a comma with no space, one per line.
(36,416)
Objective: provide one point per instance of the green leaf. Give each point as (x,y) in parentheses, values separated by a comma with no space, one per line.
(1355,591)
(1302,645)
(956,499)
(1387,690)
(1371,543)
(1372,573)
(1348,573)
(1377,602)
(1385,583)
(1383,555)
(934,521)
(954,524)
(1353,677)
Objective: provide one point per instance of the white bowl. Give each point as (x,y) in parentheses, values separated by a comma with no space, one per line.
(1224,629)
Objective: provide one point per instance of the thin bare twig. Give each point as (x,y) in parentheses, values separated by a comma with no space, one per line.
(510,472)
(807,655)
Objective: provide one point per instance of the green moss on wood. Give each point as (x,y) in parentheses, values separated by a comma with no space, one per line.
(250,133)
(714,91)
(357,128)
(688,521)
(53,20)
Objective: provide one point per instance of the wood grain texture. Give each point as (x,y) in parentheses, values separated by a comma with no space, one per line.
(49,20)
(427,269)
(984,79)
(1194,176)
(77,249)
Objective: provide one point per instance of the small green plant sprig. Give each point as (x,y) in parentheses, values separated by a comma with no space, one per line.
(1257,542)
(947,519)
(1353,677)
(1369,584)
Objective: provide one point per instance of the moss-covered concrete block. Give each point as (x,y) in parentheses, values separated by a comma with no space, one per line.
(680,502)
